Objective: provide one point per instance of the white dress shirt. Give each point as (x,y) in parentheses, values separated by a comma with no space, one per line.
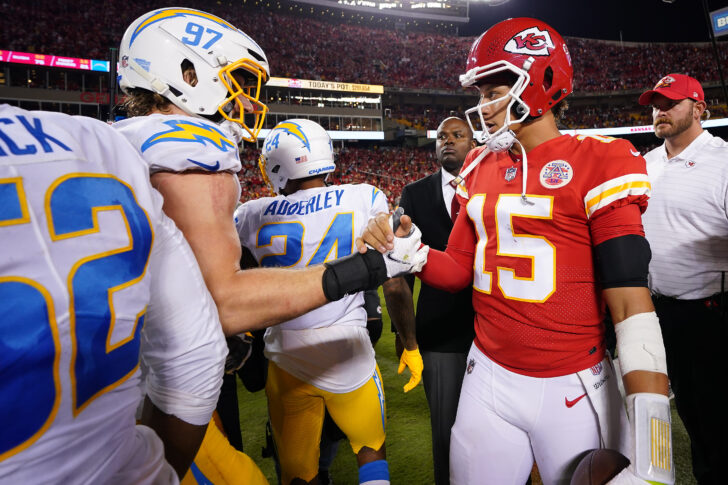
(686,222)
(448,191)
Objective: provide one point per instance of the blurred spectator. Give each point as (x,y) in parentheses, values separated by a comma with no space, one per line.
(389,168)
(308,48)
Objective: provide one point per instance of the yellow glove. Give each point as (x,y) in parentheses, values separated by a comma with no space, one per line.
(413,360)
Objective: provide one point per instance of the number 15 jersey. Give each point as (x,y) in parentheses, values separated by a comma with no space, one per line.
(538,308)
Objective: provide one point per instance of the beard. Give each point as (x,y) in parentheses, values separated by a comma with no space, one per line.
(673,128)
(451,164)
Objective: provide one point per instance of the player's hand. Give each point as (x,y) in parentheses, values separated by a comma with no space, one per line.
(239,348)
(379,233)
(409,255)
(413,360)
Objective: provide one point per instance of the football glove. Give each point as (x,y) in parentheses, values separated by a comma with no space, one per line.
(409,254)
(627,477)
(413,360)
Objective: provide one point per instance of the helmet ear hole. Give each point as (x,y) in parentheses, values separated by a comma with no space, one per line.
(548,78)
(188,72)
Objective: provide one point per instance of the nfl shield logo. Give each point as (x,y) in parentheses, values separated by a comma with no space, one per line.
(511,173)
(596,369)
(471,366)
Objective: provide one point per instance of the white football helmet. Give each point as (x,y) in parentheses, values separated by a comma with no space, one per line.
(157,44)
(295,149)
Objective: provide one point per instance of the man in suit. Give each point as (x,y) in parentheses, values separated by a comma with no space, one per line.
(444,320)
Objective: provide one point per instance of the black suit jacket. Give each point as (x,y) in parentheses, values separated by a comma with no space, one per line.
(444,320)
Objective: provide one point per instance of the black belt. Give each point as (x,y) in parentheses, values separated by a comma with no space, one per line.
(717,301)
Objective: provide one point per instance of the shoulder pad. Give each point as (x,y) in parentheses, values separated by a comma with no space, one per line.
(179,143)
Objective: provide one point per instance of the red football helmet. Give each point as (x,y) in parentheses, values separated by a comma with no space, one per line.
(535,54)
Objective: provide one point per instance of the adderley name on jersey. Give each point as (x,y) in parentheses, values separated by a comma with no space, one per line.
(316,203)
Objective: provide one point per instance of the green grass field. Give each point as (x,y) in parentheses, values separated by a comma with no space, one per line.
(409,450)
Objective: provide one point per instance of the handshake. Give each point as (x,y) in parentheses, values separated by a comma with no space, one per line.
(389,246)
(398,239)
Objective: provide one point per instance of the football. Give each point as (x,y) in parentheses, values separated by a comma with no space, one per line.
(598,467)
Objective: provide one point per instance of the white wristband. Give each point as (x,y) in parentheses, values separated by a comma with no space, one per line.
(639,344)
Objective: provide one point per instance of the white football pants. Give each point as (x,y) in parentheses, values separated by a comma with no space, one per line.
(506,420)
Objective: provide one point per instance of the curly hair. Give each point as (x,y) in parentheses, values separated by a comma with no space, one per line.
(141,102)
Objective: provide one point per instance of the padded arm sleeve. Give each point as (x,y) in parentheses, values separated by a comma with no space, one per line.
(183,346)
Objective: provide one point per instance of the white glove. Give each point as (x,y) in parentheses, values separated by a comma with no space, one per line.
(627,477)
(407,255)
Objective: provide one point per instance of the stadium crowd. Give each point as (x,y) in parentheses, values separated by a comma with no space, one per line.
(389,168)
(309,49)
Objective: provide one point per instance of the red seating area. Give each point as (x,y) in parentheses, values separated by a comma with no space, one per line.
(389,168)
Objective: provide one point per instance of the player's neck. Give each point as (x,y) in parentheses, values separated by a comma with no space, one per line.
(306,184)
(536,132)
(676,144)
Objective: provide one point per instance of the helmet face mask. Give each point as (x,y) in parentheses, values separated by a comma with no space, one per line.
(531,51)
(157,45)
(515,104)
(249,91)
(295,149)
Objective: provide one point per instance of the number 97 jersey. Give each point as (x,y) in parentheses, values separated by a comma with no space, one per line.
(538,307)
(311,227)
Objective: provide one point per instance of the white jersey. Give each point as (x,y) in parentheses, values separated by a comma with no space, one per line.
(311,227)
(686,222)
(177,143)
(81,235)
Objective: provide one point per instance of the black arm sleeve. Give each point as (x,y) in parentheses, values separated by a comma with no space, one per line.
(623,261)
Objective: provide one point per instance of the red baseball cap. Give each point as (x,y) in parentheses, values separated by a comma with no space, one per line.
(675,86)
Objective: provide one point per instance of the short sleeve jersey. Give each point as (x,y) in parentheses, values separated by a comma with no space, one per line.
(77,221)
(177,143)
(311,227)
(538,308)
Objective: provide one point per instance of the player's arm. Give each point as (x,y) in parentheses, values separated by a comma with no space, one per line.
(398,297)
(181,439)
(450,270)
(622,257)
(182,348)
(202,204)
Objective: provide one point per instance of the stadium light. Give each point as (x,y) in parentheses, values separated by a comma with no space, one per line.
(491,3)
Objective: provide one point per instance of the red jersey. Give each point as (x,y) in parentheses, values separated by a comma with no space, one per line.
(539,311)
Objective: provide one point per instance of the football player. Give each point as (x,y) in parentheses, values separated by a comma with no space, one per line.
(193,83)
(550,230)
(94,278)
(324,359)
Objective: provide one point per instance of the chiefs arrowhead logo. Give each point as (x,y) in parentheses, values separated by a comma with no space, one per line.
(532,41)
(665,82)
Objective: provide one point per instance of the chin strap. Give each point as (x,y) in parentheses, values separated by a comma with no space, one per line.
(159,86)
(524,162)
(461,176)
